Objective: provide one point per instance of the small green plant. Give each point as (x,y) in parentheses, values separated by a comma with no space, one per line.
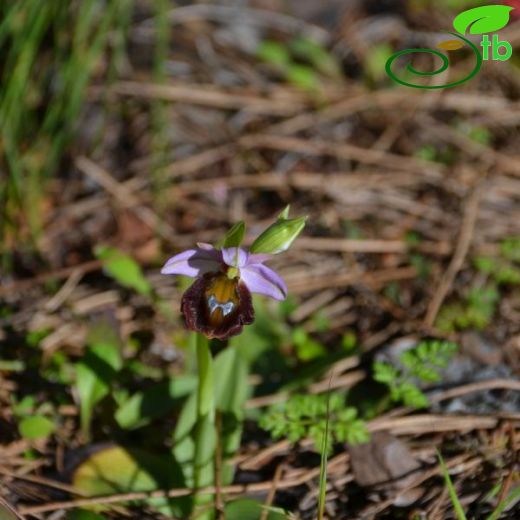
(502,269)
(422,363)
(307,348)
(34,421)
(307,415)
(476,310)
(375,60)
(510,249)
(301,62)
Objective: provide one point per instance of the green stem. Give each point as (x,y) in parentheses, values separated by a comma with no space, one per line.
(205,394)
(205,435)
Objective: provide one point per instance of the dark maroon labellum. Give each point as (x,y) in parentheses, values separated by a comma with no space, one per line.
(217,306)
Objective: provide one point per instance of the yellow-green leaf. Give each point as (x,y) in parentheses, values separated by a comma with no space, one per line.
(35,427)
(124,269)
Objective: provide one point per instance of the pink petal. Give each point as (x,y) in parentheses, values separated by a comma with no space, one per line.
(193,262)
(259,258)
(235,256)
(206,246)
(262,280)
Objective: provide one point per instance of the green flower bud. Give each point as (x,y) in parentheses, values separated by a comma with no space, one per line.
(279,236)
(285,213)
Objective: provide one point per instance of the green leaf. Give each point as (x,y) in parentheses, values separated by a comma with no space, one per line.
(124,269)
(412,396)
(375,58)
(154,402)
(231,392)
(12,365)
(36,427)
(485,264)
(480,134)
(24,406)
(358,433)
(302,76)
(183,444)
(96,371)
(384,372)
(231,389)
(307,348)
(349,342)
(249,509)
(308,415)
(279,236)
(484,19)
(274,53)
(235,235)
(510,249)
(316,54)
(206,442)
(115,469)
(264,334)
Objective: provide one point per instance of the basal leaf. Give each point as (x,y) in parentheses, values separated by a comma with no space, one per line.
(249,509)
(231,384)
(97,370)
(35,427)
(156,401)
(116,469)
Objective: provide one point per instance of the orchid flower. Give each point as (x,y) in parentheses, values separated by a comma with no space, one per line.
(218,303)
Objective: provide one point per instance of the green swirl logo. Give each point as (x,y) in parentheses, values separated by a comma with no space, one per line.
(478,20)
(445,64)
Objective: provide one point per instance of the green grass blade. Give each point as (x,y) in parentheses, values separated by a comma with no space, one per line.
(514,495)
(457,506)
(323,464)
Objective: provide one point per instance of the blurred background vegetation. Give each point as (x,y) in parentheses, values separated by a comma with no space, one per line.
(132,129)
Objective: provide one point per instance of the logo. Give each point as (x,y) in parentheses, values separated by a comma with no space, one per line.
(479,20)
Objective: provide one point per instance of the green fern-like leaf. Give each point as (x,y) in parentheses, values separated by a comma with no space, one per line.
(306,416)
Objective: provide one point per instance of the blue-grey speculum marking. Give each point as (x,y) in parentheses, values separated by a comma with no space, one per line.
(214,304)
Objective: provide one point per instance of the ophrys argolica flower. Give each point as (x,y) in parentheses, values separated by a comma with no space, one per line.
(218,303)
